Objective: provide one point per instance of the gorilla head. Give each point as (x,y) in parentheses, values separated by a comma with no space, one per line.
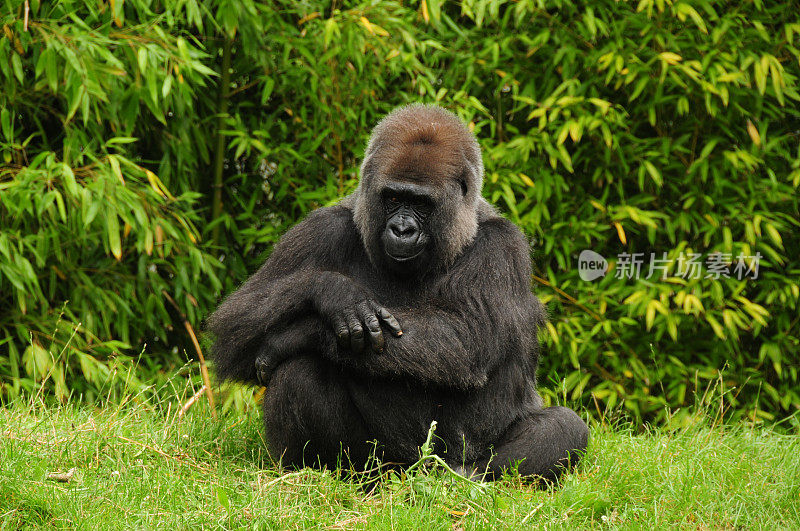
(416,204)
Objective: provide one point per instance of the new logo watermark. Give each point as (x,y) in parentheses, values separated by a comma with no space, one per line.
(592,265)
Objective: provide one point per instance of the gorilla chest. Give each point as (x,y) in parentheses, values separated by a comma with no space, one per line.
(392,291)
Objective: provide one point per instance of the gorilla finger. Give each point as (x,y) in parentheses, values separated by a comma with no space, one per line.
(356,334)
(366,312)
(375,333)
(390,321)
(342,332)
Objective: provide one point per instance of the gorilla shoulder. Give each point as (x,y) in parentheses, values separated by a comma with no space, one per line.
(502,238)
(501,248)
(330,220)
(329,231)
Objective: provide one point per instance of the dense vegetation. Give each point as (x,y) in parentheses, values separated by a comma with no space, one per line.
(155,150)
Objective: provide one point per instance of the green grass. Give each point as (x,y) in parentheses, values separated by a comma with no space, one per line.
(141,467)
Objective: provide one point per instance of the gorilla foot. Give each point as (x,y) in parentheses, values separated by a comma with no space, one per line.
(545,444)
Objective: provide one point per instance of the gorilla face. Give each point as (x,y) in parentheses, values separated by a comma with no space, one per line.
(418,221)
(406,234)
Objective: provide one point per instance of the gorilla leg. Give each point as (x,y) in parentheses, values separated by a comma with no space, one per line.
(310,418)
(545,443)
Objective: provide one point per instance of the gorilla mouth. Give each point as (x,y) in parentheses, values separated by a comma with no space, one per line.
(404,258)
(403,251)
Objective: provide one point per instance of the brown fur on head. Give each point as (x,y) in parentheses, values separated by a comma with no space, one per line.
(424,145)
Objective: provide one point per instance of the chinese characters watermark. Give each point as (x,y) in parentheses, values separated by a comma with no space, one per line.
(689,266)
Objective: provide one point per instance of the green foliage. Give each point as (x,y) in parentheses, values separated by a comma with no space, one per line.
(91,235)
(649,126)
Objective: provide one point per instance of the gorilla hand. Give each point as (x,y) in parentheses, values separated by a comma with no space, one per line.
(352,314)
(302,337)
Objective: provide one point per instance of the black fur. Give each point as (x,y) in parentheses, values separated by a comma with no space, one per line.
(468,352)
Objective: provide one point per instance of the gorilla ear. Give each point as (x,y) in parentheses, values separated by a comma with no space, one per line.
(462,181)
(471,173)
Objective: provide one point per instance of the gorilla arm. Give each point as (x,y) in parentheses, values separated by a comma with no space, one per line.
(252,320)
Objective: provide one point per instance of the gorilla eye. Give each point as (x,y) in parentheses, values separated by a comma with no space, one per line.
(391,203)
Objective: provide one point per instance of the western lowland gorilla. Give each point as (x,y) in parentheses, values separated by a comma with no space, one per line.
(408,301)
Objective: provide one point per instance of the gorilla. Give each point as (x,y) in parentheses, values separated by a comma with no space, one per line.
(408,301)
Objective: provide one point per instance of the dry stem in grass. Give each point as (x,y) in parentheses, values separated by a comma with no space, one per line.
(62,477)
(203,367)
(192,400)
(162,453)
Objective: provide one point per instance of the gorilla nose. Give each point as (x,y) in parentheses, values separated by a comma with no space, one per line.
(403,229)
(403,238)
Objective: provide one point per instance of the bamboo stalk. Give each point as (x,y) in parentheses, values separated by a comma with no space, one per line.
(219,154)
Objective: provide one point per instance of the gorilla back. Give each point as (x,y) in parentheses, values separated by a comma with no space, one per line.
(409,301)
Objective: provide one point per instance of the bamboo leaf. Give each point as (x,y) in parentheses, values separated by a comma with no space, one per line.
(69,180)
(753,132)
(112,231)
